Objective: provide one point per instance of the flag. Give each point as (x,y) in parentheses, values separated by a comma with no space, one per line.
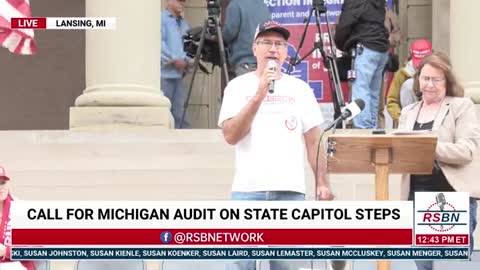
(18,41)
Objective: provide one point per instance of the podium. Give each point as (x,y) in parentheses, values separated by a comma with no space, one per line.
(381,154)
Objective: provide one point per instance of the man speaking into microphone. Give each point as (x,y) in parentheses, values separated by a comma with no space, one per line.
(271,118)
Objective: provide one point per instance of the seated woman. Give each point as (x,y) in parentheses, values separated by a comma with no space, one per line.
(6,228)
(443,110)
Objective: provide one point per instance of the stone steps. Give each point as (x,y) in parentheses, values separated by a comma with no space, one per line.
(156,165)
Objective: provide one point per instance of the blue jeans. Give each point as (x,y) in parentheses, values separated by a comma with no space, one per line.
(174,90)
(428,265)
(264,196)
(369,65)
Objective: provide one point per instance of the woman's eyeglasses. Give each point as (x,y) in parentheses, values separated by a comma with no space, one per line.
(435,80)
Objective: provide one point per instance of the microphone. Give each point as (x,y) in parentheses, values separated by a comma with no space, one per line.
(272,64)
(351,110)
(440,198)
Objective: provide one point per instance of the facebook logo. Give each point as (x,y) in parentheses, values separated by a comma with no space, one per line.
(166,237)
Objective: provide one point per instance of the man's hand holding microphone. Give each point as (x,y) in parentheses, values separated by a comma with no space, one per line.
(267,79)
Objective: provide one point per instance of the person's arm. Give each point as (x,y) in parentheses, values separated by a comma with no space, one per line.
(393,98)
(167,55)
(312,118)
(231,28)
(312,139)
(351,12)
(467,138)
(237,127)
(393,28)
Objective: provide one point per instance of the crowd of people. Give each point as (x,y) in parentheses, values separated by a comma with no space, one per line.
(367,27)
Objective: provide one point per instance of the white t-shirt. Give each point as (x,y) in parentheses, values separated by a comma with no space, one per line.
(272,155)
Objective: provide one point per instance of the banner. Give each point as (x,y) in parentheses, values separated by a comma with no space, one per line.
(248,230)
(240,253)
(211,223)
(64,23)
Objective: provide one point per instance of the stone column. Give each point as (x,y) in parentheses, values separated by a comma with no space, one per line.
(123,70)
(441,25)
(464,43)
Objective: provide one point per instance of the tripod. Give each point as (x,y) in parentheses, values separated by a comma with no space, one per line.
(329,61)
(211,24)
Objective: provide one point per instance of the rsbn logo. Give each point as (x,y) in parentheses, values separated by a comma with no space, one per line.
(166,237)
(441,216)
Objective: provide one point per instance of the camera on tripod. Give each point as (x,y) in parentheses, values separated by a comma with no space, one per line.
(210,52)
(206,43)
(319,5)
(329,60)
(213,8)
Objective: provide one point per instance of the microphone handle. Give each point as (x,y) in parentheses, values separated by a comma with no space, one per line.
(271,86)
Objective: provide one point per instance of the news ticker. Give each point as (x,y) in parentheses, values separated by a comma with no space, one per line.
(433,222)
(66,23)
(240,253)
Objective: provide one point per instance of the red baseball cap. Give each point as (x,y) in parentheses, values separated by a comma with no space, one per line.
(418,50)
(3,174)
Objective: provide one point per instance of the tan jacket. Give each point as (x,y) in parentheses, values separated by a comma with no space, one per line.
(458,130)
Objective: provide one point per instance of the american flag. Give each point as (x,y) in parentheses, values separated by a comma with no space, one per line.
(18,41)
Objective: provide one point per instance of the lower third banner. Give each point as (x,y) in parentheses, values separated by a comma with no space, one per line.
(436,253)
